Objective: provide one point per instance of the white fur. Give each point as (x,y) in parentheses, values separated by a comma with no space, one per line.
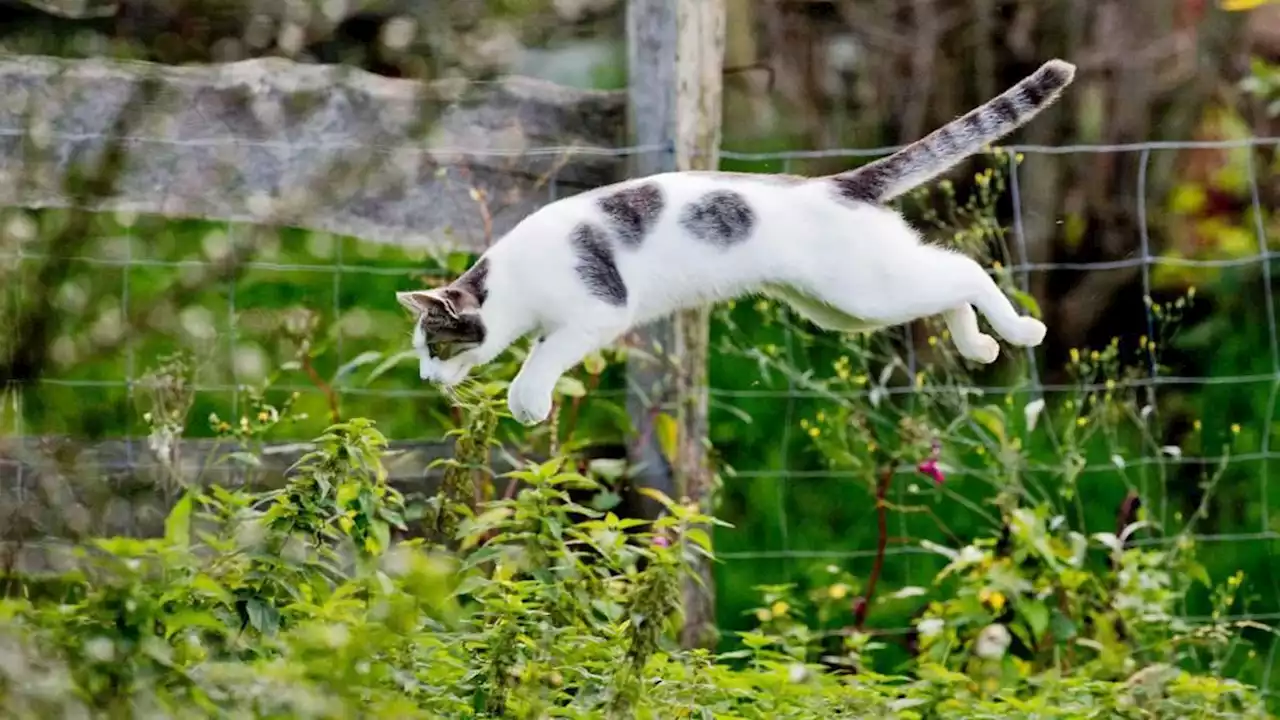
(845,266)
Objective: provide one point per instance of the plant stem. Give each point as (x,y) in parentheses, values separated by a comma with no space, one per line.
(882,542)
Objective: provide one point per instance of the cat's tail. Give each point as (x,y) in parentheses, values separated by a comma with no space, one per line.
(939,151)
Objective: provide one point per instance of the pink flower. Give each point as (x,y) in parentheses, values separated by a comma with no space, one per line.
(661,541)
(929,466)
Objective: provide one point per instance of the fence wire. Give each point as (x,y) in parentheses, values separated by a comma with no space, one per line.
(346,271)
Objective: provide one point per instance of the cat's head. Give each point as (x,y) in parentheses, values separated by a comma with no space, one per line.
(447,319)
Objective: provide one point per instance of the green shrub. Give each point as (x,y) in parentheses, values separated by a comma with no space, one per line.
(306,602)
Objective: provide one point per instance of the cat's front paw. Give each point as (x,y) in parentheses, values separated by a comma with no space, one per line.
(528,405)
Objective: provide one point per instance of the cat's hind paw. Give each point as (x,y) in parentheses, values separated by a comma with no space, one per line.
(982,349)
(1030,333)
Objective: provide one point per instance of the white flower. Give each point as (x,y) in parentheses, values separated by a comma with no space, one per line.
(1032,413)
(993,641)
(931,627)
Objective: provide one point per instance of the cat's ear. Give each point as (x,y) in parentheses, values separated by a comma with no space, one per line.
(423,301)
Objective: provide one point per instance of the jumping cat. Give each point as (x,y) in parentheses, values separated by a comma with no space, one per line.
(585,269)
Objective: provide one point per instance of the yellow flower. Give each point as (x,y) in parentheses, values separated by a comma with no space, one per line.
(814,432)
(1075,356)
(779,608)
(1235,428)
(1082,421)
(1196,426)
(933,340)
(763,615)
(838,591)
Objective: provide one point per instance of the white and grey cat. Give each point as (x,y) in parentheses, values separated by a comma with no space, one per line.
(583,270)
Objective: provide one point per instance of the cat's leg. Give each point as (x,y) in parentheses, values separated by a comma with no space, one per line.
(939,280)
(530,395)
(990,300)
(928,281)
(972,343)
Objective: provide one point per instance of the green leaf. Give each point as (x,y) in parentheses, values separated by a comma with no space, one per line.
(594,363)
(1199,574)
(188,618)
(608,468)
(606,500)
(245,457)
(1036,615)
(364,358)
(391,362)
(991,418)
(1028,301)
(262,617)
(347,492)
(657,495)
(667,431)
(699,537)
(1062,626)
(570,387)
(382,534)
(177,527)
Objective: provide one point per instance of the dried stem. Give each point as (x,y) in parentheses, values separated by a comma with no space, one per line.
(334,415)
(882,542)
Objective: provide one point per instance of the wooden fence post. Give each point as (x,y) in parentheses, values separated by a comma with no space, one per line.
(676,54)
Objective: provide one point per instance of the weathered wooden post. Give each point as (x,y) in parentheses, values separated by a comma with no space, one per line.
(676,58)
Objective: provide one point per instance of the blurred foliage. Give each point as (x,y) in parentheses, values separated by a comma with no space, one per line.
(299,603)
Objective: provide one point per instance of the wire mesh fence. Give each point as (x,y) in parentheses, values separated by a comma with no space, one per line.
(346,278)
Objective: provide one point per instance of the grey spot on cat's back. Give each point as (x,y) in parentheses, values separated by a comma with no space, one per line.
(633,211)
(721,217)
(596,266)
